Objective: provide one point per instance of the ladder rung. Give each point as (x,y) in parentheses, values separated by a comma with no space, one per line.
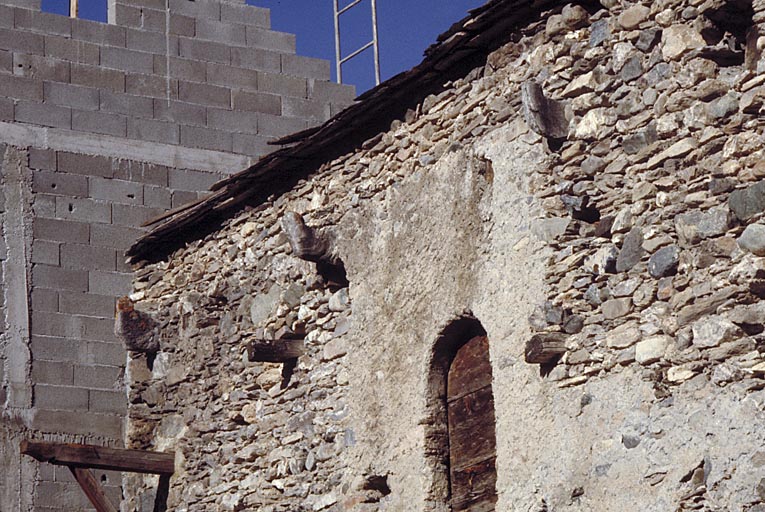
(369,44)
(341,11)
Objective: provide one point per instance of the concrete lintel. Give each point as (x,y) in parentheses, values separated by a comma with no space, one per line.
(113,147)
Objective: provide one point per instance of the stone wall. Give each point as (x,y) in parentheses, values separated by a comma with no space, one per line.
(97,137)
(634,238)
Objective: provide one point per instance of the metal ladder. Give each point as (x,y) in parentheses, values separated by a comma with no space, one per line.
(339,59)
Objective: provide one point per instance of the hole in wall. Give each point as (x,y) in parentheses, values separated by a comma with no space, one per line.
(150,358)
(53,186)
(104,479)
(70,207)
(727,30)
(131,196)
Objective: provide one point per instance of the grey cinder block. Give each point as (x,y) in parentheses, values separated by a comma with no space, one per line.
(181,25)
(103,425)
(57,230)
(74,208)
(41,68)
(247,14)
(232,121)
(108,401)
(181,197)
(154,131)
(152,86)
(44,299)
(180,112)
(87,304)
(57,278)
(127,60)
(203,138)
(119,237)
(75,96)
(97,377)
(114,284)
(180,179)
(141,172)
(57,348)
(199,9)
(277,126)
(98,33)
(47,182)
(330,91)
(87,257)
(21,88)
(157,197)
(229,33)
(151,42)
(71,50)
(53,372)
(270,39)
(252,145)
(84,164)
(38,21)
(100,78)
(283,85)
(117,191)
(204,94)
(43,159)
(6,109)
(99,122)
(314,110)
(6,61)
(43,114)
(186,69)
(133,216)
(127,104)
(19,41)
(203,50)
(105,353)
(308,67)
(61,397)
(256,102)
(45,252)
(220,74)
(257,59)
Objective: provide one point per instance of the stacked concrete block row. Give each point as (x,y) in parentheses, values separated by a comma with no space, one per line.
(232,85)
(102,127)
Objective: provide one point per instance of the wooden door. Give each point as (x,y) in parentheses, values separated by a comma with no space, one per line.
(472,443)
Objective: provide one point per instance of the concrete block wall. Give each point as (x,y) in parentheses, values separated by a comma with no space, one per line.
(102,127)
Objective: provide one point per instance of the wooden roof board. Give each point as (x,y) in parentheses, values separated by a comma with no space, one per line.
(464,46)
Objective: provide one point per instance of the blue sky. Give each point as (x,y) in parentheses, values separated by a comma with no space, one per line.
(406,28)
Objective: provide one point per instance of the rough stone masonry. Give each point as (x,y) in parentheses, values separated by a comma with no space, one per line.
(634,238)
(102,127)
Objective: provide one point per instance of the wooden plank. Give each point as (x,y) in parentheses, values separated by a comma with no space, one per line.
(471,369)
(93,491)
(471,429)
(275,351)
(545,347)
(100,457)
(473,488)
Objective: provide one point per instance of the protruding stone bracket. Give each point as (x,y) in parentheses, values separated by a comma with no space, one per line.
(314,245)
(136,329)
(545,348)
(274,351)
(544,116)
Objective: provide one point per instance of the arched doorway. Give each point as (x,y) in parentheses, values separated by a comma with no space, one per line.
(460,438)
(472,440)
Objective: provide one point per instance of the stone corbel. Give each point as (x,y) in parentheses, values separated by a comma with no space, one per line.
(136,329)
(315,245)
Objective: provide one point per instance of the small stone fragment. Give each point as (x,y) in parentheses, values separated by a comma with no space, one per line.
(747,202)
(678,40)
(603,261)
(652,348)
(634,16)
(713,330)
(632,250)
(600,31)
(664,262)
(615,308)
(753,239)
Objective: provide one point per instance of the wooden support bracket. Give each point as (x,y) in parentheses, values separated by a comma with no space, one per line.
(79,457)
(275,351)
(545,347)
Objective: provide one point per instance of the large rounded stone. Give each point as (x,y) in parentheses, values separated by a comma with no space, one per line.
(753,239)
(664,262)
